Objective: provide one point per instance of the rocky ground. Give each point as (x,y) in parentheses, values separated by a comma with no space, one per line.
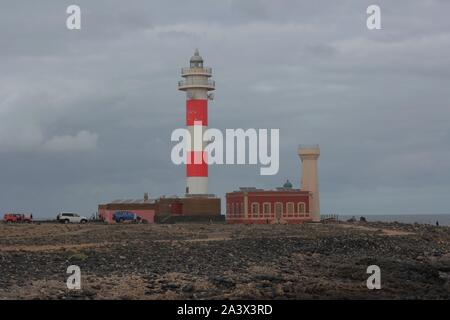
(215,261)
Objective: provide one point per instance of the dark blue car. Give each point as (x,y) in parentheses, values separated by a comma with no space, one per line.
(123,216)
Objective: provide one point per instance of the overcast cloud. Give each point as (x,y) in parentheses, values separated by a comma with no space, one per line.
(86,116)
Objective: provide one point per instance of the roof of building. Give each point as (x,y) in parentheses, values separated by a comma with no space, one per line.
(117,201)
(246,189)
(277,190)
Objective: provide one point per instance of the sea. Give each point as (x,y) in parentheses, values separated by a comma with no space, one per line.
(442,219)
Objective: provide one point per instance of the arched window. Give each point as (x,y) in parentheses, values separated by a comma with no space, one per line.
(267,209)
(301,208)
(290,208)
(278,209)
(255,209)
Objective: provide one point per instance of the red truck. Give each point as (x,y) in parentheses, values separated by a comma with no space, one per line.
(17,218)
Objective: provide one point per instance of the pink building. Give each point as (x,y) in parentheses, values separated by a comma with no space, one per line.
(142,208)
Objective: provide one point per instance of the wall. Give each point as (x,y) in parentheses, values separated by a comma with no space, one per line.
(189,206)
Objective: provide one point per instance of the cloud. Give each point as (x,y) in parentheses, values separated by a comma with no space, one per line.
(82,141)
(376,102)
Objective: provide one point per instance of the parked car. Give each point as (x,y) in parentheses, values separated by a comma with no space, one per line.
(70,217)
(17,218)
(126,216)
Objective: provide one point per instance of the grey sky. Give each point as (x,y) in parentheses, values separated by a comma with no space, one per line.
(86,116)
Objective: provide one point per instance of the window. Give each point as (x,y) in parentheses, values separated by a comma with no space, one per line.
(290,208)
(301,208)
(196,64)
(267,209)
(278,209)
(228,208)
(255,209)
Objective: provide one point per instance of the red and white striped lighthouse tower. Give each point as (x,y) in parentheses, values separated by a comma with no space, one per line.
(196,84)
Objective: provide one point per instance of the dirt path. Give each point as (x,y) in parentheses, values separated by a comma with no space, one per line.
(42,248)
(384,231)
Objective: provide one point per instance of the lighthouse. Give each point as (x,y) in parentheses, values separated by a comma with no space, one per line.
(196,83)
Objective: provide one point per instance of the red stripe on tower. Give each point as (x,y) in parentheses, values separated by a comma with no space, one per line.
(196,164)
(196,110)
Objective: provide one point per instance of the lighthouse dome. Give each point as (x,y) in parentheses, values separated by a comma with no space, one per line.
(196,60)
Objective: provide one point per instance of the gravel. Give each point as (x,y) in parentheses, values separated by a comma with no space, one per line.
(215,261)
